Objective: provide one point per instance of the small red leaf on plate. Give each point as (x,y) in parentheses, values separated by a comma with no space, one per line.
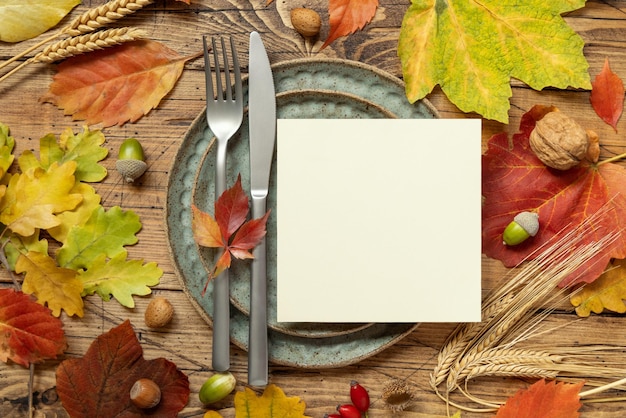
(607,95)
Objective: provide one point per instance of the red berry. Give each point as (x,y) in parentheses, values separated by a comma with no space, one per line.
(348,411)
(359,396)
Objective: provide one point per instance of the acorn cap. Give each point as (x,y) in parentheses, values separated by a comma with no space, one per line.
(131,170)
(529,221)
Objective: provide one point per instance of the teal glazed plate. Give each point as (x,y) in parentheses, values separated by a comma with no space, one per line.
(306,88)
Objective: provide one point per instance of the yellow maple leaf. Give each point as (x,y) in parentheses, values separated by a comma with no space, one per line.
(55,286)
(272,404)
(606,292)
(32,199)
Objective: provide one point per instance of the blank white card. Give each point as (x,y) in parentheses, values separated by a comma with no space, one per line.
(379,220)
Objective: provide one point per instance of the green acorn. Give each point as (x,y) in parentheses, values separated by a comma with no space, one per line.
(130,161)
(217,387)
(523,226)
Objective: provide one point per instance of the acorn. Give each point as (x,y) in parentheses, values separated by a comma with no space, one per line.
(523,226)
(159,312)
(217,387)
(306,22)
(130,161)
(145,394)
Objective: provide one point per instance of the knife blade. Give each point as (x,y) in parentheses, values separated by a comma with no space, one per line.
(262,136)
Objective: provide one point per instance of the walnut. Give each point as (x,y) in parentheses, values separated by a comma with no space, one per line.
(559,141)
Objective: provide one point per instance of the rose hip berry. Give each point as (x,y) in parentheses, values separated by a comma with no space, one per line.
(348,411)
(359,396)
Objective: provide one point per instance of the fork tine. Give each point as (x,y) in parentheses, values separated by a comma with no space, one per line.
(207,73)
(229,94)
(238,85)
(218,72)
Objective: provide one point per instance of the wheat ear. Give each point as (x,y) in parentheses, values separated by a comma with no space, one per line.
(89,21)
(82,44)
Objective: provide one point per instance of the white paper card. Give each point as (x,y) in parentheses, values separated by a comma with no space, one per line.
(379,220)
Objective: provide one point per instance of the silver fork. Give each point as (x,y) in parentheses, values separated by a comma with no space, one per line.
(224,115)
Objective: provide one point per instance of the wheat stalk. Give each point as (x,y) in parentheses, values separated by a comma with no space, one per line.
(103,15)
(88,22)
(510,315)
(82,44)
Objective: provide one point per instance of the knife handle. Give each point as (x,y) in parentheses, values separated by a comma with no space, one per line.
(257,341)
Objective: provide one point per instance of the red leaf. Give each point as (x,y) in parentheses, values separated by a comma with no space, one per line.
(514,180)
(348,16)
(98,384)
(545,400)
(607,95)
(28,331)
(231,209)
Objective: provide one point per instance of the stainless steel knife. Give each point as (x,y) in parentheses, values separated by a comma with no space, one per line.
(262,134)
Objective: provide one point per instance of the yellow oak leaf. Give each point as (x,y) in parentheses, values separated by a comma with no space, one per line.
(115,85)
(606,292)
(272,404)
(55,286)
(7,143)
(33,198)
(77,216)
(25,19)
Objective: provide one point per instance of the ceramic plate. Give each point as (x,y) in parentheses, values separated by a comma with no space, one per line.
(359,91)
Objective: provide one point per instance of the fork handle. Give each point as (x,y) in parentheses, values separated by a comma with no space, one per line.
(221,286)
(257,341)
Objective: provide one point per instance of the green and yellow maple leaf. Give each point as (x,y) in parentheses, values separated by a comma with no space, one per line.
(25,19)
(606,292)
(105,232)
(472,49)
(272,404)
(33,198)
(84,148)
(55,286)
(120,278)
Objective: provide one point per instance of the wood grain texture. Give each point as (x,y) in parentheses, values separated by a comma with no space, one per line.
(187,340)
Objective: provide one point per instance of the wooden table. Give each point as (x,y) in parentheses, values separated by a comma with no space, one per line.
(187,341)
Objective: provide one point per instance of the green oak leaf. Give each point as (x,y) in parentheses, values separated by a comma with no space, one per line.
(105,232)
(7,143)
(83,148)
(120,278)
(472,49)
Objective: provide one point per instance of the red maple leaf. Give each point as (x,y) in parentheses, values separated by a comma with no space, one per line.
(607,95)
(545,400)
(515,180)
(98,384)
(348,16)
(229,229)
(28,331)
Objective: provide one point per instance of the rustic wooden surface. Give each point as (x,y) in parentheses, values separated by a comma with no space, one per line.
(187,340)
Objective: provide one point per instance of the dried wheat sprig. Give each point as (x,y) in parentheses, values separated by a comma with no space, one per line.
(89,21)
(82,44)
(103,15)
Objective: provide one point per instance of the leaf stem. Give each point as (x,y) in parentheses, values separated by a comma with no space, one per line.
(612,159)
(602,388)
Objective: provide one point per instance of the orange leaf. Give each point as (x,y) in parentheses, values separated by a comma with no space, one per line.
(97,385)
(607,95)
(28,331)
(545,400)
(115,85)
(348,16)
(206,231)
